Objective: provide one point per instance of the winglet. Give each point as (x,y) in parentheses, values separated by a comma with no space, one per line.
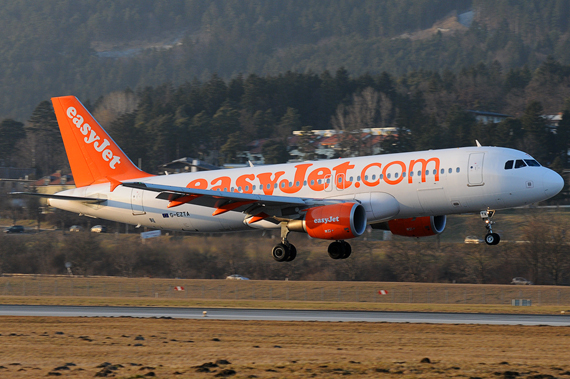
(93,155)
(478,144)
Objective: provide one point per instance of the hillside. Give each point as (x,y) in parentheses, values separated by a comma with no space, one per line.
(94,47)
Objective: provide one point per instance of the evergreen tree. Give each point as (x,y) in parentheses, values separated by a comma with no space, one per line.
(274,152)
(11,132)
(47,145)
(537,139)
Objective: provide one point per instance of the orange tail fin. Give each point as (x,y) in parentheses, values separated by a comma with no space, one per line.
(93,155)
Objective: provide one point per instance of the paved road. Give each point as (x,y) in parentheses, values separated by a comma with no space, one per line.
(284,315)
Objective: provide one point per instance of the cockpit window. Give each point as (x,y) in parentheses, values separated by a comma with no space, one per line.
(532,163)
(509,165)
(520,163)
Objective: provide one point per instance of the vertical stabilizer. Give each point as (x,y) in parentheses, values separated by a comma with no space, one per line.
(93,155)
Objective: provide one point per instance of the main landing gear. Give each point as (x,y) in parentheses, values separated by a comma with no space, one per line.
(339,250)
(490,238)
(286,252)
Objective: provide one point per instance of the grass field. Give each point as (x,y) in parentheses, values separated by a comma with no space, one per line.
(282,294)
(32,347)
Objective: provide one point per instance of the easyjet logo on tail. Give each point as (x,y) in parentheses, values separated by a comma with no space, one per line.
(91,137)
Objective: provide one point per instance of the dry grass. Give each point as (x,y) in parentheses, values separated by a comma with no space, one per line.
(31,347)
(278,304)
(427,297)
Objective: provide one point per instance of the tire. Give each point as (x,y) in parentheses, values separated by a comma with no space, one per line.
(492,239)
(292,253)
(336,250)
(347,249)
(497,239)
(280,253)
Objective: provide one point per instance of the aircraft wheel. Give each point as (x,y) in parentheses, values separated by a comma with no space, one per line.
(292,253)
(347,250)
(280,253)
(492,239)
(336,250)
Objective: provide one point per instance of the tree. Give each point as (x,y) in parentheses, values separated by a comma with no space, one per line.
(47,145)
(563,138)
(546,254)
(274,152)
(362,113)
(537,139)
(305,143)
(11,132)
(232,149)
(289,122)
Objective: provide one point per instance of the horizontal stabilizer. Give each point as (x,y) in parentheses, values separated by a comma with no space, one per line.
(88,200)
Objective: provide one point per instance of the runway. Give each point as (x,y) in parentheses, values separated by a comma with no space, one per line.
(282,315)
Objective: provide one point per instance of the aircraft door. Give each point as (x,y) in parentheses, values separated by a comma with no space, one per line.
(475,169)
(137,201)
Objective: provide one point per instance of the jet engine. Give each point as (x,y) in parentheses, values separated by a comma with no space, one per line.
(332,222)
(414,226)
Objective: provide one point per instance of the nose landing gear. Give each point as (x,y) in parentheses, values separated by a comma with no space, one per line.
(490,238)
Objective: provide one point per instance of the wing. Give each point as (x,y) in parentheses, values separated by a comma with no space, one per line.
(256,207)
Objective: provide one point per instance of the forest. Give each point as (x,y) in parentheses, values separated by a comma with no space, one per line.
(216,119)
(94,47)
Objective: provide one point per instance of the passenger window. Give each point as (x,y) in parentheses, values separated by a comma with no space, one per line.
(388,176)
(381,176)
(532,163)
(403,174)
(419,173)
(396,175)
(246,188)
(239,189)
(282,184)
(312,182)
(434,172)
(373,177)
(457,170)
(450,170)
(519,163)
(427,172)
(358,178)
(508,165)
(442,171)
(296,184)
(305,183)
(411,173)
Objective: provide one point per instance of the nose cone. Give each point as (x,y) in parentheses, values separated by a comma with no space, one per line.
(552,182)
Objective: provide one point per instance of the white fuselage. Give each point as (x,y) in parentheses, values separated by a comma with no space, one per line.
(424,183)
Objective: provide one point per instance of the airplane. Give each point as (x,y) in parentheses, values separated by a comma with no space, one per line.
(409,194)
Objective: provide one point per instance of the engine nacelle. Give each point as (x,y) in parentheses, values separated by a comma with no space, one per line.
(332,222)
(418,226)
